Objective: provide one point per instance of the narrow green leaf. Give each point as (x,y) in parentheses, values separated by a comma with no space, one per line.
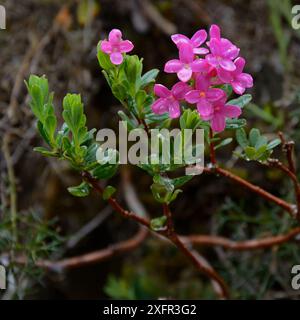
(241,101)
(223,143)
(273,144)
(241,138)
(148,77)
(159,223)
(108,192)
(82,190)
(254,136)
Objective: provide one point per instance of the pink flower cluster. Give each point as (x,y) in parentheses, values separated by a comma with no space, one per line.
(199,78)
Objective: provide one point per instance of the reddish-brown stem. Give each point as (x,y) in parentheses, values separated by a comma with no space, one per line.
(168,233)
(93,257)
(114,203)
(207,240)
(192,255)
(290,208)
(288,149)
(212,148)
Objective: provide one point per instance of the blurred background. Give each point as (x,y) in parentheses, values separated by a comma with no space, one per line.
(59,39)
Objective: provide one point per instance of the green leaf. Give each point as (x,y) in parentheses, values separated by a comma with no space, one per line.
(43,132)
(108,192)
(223,143)
(262,140)
(241,101)
(148,77)
(254,136)
(250,152)
(105,171)
(164,181)
(82,190)
(234,124)
(180,181)
(159,223)
(273,144)
(173,196)
(45,152)
(73,112)
(131,124)
(241,138)
(104,59)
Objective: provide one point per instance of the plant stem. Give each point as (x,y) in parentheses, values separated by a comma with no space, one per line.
(12,188)
(290,208)
(212,148)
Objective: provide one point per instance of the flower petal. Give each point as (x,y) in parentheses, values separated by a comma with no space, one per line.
(173,66)
(126,46)
(231,111)
(105,46)
(202,83)
(231,52)
(174,109)
(160,106)
(215,32)
(115,36)
(185,74)
(246,79)
(225,76)
(238,87)
(116,58)
(218,122)
(200,65)
(199,37)
(215,94)
(186,54)
(215,46)
(177,38)
(161,91)
(227,64)
(193,96)
(239,63)
(200,51)
(212,60)
(204,108)
(180,89)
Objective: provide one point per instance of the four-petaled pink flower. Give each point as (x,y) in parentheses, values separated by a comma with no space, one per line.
(204,95)
(186,65)
(222,50)
(237,79)
(115,46)
(220,112)
(196,41)
(169,99)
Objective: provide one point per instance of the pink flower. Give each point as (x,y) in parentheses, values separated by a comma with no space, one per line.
(222,50)
(220,112)
(196,41)
(169,99)
(204,96)
(186,65)
(237,79)
(115,46)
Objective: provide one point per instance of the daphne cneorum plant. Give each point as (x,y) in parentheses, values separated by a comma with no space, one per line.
(208,78)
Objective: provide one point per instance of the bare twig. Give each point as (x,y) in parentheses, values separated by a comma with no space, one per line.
(93,257)
(290,208)
(12,186)
(208,240)
(212,148)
